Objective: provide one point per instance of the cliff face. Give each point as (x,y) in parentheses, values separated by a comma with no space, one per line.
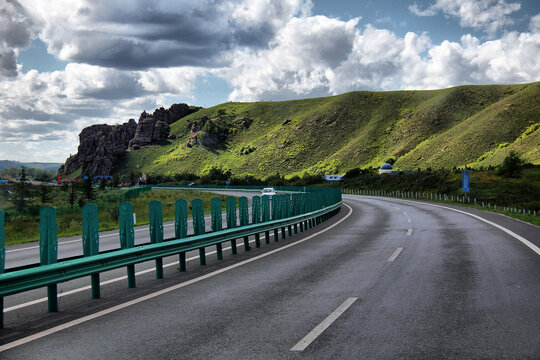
(101,146)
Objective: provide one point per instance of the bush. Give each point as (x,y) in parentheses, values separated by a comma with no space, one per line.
(352,173)
(512,166)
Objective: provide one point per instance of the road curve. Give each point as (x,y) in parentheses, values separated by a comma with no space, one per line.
(385,278)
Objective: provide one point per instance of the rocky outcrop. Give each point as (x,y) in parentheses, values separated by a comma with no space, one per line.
(149,130)
(101,146)
(205,133)
(175,112)
(212,133)
(155,127)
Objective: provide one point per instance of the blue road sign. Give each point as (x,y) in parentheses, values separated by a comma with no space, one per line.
(465,180)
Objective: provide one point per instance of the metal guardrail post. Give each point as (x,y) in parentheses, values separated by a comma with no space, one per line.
(301,209)
(243,210)
(265,207)
(295,209)
(127,236)
(2,262)
(288,212)
(197,214)
(231,220)
(180,228)
(90,240)
(256,217)
(217,223)
(276,210)
(155,217)
(48,249)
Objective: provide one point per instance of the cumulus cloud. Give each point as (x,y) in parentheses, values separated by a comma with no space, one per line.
(535,23)
(54,107)
(142,34)
(318,56)
(486,15)
(299,59)
(16,30)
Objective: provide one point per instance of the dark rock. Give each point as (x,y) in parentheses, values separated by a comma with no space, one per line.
(155,127)
(286,122)
(101,146)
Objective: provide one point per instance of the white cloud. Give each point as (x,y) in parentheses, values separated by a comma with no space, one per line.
(318,56)
(535,23)
(298,60)
(16,30)
(487,15)
(54,107)
(142,34)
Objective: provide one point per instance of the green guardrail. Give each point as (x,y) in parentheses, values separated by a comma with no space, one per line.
(299,210)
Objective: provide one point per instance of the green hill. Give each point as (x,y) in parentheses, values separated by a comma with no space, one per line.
(464,125)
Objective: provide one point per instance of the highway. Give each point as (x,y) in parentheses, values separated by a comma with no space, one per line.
(383,279)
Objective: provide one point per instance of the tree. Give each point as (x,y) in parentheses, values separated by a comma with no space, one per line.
(22,192)
(133,178)
(72,194)
(115,181)
(512,166)
(44,194)
(103,184)
(88,188)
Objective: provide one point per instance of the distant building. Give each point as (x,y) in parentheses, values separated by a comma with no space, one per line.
(332,177)
(98,178)
(386,168)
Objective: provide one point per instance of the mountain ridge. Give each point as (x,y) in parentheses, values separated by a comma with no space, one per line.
(468,125)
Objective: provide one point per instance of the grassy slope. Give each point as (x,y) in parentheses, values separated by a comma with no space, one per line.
(474,125)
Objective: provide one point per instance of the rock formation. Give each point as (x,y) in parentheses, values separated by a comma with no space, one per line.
(101,146)
(212,133)
(155,127)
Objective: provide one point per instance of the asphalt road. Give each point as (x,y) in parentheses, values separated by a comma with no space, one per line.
(385,278)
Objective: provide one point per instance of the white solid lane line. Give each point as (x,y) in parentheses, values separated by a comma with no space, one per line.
(84,319)
(394,255)
(110,281)
(319,329)
(525,242)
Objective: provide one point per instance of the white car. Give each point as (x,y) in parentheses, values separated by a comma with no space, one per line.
(269,192)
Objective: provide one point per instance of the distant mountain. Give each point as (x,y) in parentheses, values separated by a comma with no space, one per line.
(473,125)
(4,164)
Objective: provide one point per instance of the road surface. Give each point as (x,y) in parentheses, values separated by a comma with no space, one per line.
(385,278)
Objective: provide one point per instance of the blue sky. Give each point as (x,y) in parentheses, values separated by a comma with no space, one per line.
(65,65)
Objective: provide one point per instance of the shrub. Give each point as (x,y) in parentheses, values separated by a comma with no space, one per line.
(512,166)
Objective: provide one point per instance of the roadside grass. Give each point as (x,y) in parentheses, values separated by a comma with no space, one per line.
(69,218)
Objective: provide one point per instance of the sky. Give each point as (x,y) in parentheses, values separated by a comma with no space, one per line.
(69,64)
